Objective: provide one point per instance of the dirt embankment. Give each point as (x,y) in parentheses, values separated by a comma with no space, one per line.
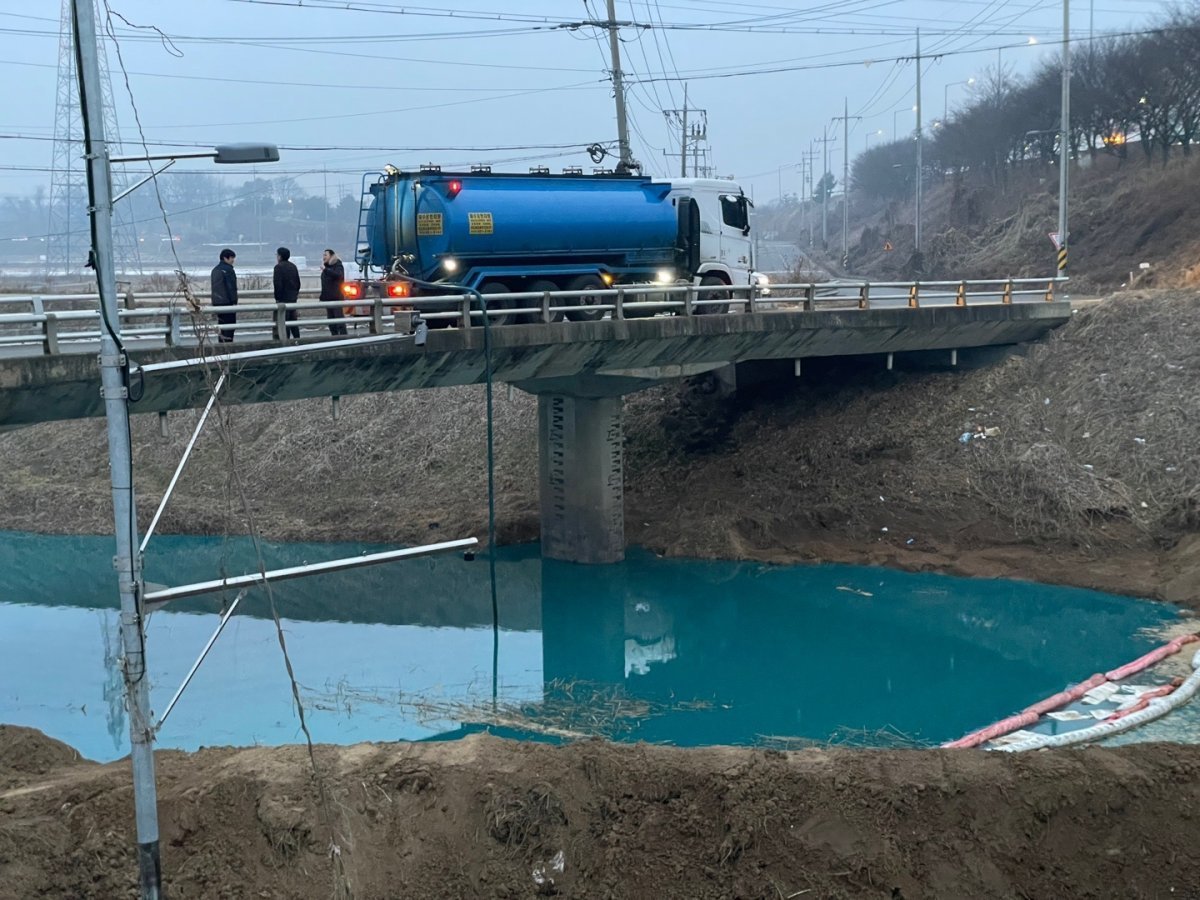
(484,817)
(1089,475)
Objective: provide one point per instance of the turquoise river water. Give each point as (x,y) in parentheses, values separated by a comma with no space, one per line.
(678,651)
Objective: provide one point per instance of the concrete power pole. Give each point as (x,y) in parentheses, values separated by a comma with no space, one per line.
(1064,143)
(683,137)
(920,152)
(114,390)
(845,119)
(811,158)
(693,131)
(825,141)
(628,163)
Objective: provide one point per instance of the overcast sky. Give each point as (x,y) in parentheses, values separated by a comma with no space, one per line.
(384,82)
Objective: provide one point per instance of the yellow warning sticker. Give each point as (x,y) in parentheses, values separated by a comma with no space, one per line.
(429,224)
(480,223)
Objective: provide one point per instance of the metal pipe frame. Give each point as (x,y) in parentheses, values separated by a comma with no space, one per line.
(162,504)
(161,597)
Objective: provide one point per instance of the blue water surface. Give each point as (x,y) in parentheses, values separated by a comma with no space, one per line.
(678,651)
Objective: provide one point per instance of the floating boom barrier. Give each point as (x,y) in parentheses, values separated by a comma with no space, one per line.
(1147,706)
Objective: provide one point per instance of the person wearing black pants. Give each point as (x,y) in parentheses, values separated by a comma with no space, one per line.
(333,273)
(224,293)
(287,287)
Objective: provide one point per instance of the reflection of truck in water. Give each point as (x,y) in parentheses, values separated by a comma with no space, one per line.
(506,233)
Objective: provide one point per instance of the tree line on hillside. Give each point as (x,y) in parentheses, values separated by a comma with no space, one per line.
(1138,90)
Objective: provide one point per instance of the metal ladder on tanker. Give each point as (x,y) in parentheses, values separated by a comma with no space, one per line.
(362,236)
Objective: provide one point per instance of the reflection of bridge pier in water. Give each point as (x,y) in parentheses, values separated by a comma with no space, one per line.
(614,633)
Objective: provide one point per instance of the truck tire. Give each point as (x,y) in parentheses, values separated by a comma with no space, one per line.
(585,283)
(541,286)
(716,308)
(495,287)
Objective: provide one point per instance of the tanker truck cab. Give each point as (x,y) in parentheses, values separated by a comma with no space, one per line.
(726,250)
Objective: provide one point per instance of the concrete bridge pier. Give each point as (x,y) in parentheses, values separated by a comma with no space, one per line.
(581,462)
(581,457)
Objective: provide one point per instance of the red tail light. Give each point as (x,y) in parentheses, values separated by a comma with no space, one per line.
(352,290)
(452,189)
(398,289)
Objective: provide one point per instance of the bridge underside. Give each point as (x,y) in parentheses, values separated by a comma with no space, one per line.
(579,370)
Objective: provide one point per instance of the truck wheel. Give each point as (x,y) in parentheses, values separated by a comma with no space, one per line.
(495,287)
(540,287)
(715,308)
(586,283)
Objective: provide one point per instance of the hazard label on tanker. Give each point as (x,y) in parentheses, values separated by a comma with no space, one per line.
(429,224)
(480,223)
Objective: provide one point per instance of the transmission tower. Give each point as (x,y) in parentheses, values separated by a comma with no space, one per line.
(67,240)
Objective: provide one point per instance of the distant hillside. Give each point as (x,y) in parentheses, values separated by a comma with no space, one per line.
(1122,213)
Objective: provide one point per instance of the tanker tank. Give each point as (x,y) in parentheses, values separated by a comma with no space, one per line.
(465,228)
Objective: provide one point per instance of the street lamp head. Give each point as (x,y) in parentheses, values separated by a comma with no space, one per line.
(971,80)
(234,154)
(1032,40)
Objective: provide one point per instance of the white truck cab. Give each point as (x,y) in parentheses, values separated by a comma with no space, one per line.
(726,250)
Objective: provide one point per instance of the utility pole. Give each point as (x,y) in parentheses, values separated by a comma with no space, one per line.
(920,151)
(628,163)
(811,158)
(114,389)
(825,140)
(845,120)
(1064,143)
(683,137)
(692,132)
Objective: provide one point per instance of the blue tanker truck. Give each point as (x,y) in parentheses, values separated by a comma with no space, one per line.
(505,233)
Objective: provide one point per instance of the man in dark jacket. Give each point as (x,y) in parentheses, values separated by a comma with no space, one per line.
(333,273)
(224,293)
(287,287)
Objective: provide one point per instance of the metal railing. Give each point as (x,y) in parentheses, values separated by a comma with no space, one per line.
(56,324)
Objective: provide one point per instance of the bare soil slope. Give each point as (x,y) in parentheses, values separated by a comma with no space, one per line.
(484,817)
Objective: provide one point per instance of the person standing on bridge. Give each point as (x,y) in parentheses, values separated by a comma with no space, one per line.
(224,293)
(333,273)
(287,287)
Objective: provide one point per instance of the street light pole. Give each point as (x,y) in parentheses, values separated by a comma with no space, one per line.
(1064,143)
(946,96)
(845,183)
(920,148)
(114,390)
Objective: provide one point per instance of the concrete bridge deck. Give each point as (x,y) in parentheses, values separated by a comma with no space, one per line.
(589,359)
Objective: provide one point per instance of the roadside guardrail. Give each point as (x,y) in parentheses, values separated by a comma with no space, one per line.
(70,323)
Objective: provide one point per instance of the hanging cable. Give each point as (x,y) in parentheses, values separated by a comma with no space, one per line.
(491,462)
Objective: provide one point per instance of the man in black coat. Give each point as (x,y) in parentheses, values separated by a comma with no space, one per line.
(333,273)
(224,293)
(287,287)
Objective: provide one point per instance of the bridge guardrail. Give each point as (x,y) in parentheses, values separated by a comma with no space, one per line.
(177,324)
